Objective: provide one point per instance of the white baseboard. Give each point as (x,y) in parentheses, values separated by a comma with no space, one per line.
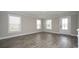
(29,34)
(68,34)
(16,35)
(64,34)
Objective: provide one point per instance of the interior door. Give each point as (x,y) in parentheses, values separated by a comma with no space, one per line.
(65,25)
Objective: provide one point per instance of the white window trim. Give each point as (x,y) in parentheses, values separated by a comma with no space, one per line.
(20,24)
(40,24)
(69,18)
(46,24)
(65,24)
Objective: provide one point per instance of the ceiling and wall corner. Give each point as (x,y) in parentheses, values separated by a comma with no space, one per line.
(29,21)
(43,14)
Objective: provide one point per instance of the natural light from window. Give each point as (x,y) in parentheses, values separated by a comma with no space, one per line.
(14,23)
(65,24)
(48,24)
(38,24)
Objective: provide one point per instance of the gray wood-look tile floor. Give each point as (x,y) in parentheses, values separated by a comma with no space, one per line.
(40,40)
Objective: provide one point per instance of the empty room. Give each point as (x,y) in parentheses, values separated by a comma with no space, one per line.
(39,29)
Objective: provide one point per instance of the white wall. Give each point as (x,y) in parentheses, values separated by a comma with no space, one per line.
(78,20)
(78,28)
(28,25)
(55,24)
(74,19)
(0,24)
(78,23)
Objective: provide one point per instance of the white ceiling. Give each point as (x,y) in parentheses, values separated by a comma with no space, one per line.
(43,14)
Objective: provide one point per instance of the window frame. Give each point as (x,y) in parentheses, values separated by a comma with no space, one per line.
(49,24)
(37,24)
(63,26)
(19,25)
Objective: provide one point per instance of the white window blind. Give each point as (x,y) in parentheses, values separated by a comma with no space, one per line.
(65,23)
(48,24)
(14,23)
(38,24)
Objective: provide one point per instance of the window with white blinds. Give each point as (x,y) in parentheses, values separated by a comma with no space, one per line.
(48,24)
(38,21)
(14,23)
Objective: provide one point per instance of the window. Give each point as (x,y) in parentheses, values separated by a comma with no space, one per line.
(14,23)
(65,23)
(38,24)
(48,24)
